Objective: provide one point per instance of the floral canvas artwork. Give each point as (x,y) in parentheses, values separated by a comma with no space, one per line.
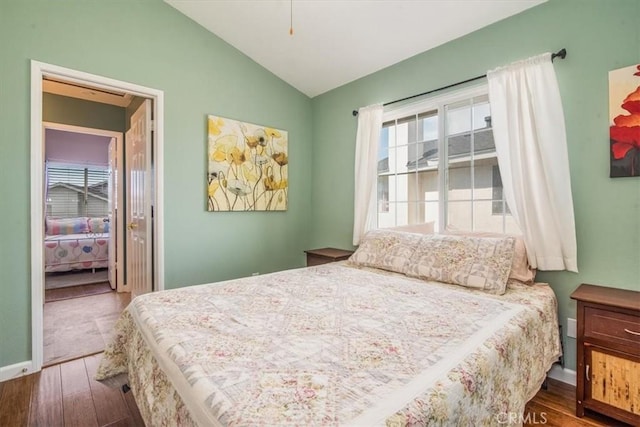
(624,115)
(248,166)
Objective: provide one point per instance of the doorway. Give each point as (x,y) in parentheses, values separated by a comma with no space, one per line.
(83,287)
(151,179)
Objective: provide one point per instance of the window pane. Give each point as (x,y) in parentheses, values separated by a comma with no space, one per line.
(383,150)
(484,219)
(405,132)
(484,171)
(458,118)
(383,193)
(388,218)
(427,183)
(391,160)
(402,213)
(405,158)
(481,113)
(459,147)
(428,126)
(400,187)
(483,143)
(459,215)
(419,213)
(460,181)
(390,129)
(431,213)
(412,213)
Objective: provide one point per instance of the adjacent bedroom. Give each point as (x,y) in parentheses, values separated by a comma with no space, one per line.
(81,304)
(320,213)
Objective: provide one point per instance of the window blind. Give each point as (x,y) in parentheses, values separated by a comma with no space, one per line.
(74,191)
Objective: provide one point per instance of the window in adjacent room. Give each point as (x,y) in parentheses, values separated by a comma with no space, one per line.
(437,162)
(74,191)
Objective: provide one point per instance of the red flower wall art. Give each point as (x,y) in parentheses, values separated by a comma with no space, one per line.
(624,113)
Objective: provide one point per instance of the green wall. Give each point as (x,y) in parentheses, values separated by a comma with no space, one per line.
(149,43)
(599,35)
(78,112)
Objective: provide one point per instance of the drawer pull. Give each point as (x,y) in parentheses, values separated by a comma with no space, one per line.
(631,332)
(587,374)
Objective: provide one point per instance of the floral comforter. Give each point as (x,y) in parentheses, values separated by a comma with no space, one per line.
(334,345)
(63,252)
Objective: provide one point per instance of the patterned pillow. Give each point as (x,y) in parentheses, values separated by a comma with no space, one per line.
(55,226)
(386,249)
(98,225)
(475,262)
(520,269)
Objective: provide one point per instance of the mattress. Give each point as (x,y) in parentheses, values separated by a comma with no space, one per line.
(334,345)
(63,252)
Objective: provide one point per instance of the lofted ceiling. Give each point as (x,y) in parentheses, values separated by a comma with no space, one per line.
(337,41)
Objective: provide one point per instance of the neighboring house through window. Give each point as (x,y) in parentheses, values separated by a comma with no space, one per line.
(437,162)
(74,191)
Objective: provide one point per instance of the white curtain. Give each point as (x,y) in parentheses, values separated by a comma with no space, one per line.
(531,144)
(366,170)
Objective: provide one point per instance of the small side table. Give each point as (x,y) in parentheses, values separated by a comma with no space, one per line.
(608,372)
(326,255)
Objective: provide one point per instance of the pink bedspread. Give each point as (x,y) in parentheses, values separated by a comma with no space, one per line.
(76,251)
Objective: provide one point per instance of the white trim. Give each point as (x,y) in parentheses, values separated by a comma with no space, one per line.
(16,370)
(393,113)
(38,71)
(563,374)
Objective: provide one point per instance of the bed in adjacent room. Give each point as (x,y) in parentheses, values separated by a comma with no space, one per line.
(76,244)
(365,342)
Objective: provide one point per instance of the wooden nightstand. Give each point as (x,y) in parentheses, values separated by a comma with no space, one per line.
(326,255)
(608,352)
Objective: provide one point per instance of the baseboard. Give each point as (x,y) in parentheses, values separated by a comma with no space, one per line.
(563,374)
(16,370)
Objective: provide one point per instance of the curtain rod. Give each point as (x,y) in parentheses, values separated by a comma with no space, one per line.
(562,53)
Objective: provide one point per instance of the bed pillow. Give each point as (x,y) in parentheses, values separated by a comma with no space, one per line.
(386,249)
(520,269)
(475,262)
(56,226)
(98,225)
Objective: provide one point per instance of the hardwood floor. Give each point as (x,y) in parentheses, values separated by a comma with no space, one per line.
(556,407)
(67,395)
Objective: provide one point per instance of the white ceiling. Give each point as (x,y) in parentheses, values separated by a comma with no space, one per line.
(337,41)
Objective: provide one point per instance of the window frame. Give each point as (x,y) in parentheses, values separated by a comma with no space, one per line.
(439,103)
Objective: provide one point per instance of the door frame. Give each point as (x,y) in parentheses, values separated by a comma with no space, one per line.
(119,137)
(38,71)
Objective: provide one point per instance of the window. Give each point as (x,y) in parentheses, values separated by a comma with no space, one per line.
(437,162)
(74,191)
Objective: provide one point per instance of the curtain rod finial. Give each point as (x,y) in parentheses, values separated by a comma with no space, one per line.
(562,53)
(354,112)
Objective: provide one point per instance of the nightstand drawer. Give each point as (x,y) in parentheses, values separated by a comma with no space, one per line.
(620,328)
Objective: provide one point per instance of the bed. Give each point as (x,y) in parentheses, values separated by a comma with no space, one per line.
(338,344)
(76,244)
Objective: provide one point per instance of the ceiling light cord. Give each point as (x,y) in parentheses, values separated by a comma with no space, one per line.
(291,19)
